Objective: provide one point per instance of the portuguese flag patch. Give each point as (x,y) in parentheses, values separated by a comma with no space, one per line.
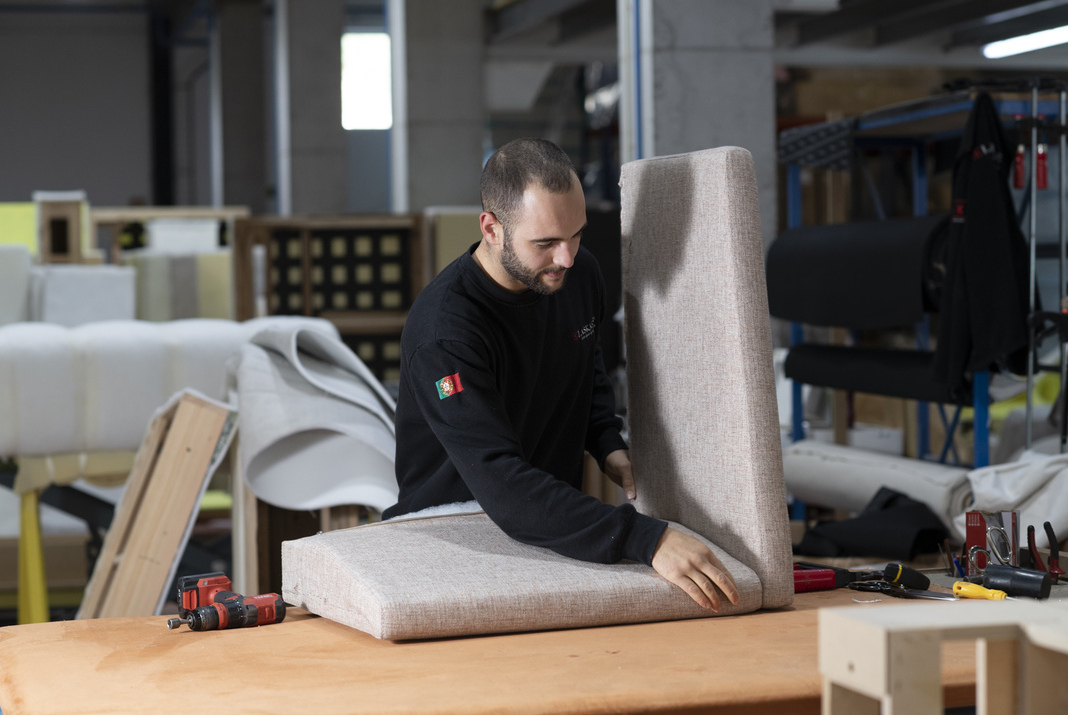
(449,386)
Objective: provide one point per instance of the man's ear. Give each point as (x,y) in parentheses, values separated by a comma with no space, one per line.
(492,230)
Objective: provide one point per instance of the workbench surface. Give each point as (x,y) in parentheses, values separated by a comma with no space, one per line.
(763,662)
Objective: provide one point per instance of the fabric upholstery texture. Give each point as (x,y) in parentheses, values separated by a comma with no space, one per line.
(703,421)
(704,434)
(460,574)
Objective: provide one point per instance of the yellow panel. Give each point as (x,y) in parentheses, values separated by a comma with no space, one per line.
(337,247)
(391,351)
(293,276)
(18,224)
(364,300)
(391,299)
(390,245)
(316,247)
(364,274)
(293,248)
(339,275)
(364,246)
(317,275)
(275,302)
(366,351)
(453,234)
(391,272)
(341,301)
(391,373)
(296,301)
(318,301)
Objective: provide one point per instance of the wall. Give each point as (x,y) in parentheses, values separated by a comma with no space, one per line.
(74,105)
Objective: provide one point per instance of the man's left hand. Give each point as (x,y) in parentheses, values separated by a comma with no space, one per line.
(617,467)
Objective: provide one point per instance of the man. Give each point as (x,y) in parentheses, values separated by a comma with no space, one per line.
(502,385)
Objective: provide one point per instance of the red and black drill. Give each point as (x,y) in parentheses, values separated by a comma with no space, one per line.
(206,603)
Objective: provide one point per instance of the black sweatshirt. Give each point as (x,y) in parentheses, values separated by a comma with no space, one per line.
(500,393)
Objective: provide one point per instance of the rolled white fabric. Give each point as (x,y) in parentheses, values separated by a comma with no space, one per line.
(38,390)
(316,426)
(847,478)
(1036,487)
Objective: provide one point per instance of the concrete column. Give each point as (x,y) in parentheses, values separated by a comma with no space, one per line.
(703,74)
(314,146)
(444,97)
(240,28)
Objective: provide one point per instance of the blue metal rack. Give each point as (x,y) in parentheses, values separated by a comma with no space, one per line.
(914,125)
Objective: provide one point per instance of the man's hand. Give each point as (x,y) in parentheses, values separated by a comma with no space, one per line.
(690,565)
(617,467)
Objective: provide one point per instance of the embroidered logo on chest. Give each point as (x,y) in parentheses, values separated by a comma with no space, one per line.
(585,331)
(449,386)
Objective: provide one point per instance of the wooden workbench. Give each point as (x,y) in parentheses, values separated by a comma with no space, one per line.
(758,663)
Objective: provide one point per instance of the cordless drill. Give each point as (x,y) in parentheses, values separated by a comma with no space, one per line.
(206,603)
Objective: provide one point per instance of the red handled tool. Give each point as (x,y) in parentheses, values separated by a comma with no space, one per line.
(819,577)
(1055,569)
(206,603)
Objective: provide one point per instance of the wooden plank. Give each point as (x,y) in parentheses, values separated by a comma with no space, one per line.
(154,515)
(125,513)
(243,241)
(997,676)
(757,664)
(366,322)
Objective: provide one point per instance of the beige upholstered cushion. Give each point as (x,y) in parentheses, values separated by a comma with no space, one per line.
(704,441)
(704,427)
(460,574)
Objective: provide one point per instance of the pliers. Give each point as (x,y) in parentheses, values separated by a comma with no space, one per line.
(1054,568)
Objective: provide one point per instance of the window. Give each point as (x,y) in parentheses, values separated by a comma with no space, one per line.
(366,81)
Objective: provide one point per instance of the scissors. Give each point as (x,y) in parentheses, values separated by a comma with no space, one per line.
(1000,549)
(900,591)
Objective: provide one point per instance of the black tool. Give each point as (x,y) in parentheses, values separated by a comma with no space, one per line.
(1017,581)
(905,576)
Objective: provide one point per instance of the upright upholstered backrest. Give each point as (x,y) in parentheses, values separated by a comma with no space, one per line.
(702,415)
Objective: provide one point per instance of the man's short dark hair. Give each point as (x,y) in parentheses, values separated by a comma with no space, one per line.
(517,165)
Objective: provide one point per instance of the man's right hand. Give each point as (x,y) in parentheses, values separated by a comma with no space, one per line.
(690,565)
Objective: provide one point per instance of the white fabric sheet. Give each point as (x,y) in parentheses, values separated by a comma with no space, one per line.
(316,426)
(1036,486)
(847,478)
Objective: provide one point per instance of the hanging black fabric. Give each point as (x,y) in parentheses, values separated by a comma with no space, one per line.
(984,299)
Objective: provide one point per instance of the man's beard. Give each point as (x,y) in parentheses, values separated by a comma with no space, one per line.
(515,268)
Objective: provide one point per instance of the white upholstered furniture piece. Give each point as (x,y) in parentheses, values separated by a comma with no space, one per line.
(704,442)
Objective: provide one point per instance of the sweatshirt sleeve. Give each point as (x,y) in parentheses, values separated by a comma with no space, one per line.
(469,418)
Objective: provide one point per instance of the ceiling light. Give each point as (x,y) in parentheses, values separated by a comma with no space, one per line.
(1026,43)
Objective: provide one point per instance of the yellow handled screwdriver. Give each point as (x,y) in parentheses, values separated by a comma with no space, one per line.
(963,589)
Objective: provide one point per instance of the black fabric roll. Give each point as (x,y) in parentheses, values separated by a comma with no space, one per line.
(908,374)
(852,275)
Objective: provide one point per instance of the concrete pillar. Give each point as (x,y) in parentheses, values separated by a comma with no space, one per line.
(312,142)
(240,28)
(699,74)
(445,117)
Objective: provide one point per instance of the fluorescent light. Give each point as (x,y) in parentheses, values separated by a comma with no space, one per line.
(1026,43)
(366,81)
